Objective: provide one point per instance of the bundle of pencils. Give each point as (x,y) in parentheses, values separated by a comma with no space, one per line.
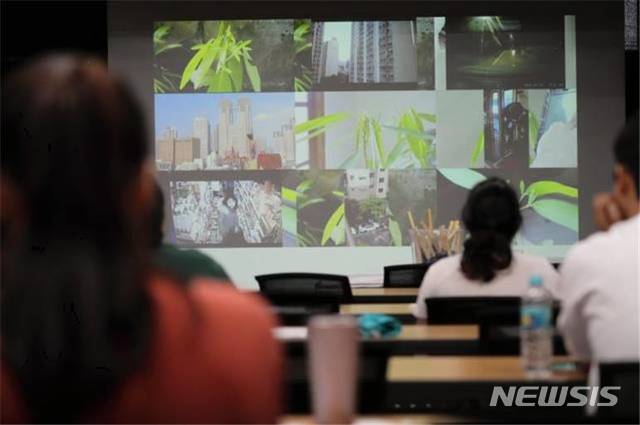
(430,242)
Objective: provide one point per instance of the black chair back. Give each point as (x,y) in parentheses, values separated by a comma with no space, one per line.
(468,310)
(405,275)
(626,376)
(305,289)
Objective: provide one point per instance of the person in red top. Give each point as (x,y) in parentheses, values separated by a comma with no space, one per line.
(90,333)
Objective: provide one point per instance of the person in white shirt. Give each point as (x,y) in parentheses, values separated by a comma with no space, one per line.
(487,266)
(599,279)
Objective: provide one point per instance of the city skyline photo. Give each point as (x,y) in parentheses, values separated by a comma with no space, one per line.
(237,131)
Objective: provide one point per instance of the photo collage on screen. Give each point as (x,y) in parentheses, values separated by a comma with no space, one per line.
(306,133)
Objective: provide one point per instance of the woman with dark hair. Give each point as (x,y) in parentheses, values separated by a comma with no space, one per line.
(487,266)
(90,333)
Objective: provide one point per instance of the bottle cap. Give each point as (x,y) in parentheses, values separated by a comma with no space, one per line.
(535,280)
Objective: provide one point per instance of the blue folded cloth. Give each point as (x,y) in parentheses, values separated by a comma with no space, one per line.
(379,326)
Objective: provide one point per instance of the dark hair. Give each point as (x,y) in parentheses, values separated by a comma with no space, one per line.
(156,220)
(492,217)
(625,149)
(76,316)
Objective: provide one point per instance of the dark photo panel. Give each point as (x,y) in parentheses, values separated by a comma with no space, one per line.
(223,56)
(548,201)
(506,129)
(313,213)
(225,212)
(504,52)
(363,55)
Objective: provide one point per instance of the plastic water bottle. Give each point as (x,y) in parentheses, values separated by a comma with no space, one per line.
(536,332)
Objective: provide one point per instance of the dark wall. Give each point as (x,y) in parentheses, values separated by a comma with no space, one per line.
(31,28)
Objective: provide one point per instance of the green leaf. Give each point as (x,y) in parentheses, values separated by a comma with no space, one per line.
(304,186)
(236,74)
(463,177)
(332,223)
(396,233)
(301,30)
(339,235)
(289,219)
(219,82)
(348,163)
(479,147)
(377,136)
(303,48)
(289,195)
(407,131)
(168,47)
(311,201)
(427,117)
(417,121)
(191,67)
(160,33)
(252,72)
(311,135)
(395,153)
(319,122)
(338,193)
(547,187)
(205,65)
(561,212)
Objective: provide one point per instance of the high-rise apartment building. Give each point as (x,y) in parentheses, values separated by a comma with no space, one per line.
(330,62)
(363,184)
(383,52)
(316,50)
(235,128)
(186,150)
(202,133)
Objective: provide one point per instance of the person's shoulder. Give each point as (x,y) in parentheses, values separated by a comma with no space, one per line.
(230,302)
(591,249)
(446,264)
(529,261)
(212,301)
(619,244)
(443,269)
(187,263)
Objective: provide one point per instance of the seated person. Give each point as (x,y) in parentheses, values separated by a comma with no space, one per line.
(487,267)
(183,264)
(599,279)
(89,332)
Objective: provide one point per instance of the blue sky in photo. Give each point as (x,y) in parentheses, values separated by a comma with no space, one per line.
(341,31)
(270,111)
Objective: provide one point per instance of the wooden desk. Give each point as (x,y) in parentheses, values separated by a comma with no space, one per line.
(384,295)
(464,386)
(387,419)
(391,309)
(466,369)
(413,339)
(408,333)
